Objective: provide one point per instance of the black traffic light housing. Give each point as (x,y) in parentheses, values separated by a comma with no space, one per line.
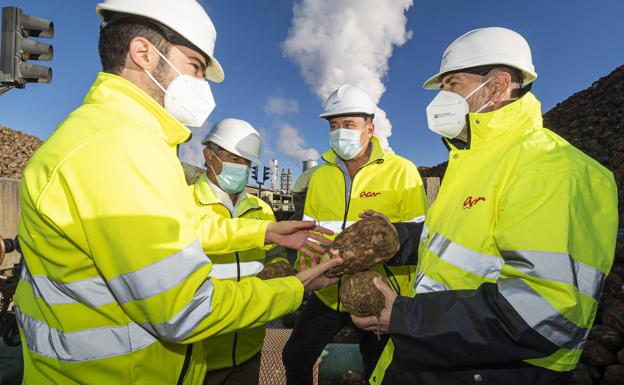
(17,49)
(267,174)
(254,173)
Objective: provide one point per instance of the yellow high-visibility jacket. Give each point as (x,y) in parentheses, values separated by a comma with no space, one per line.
(116,285)
(235,348)
(512,259)
(388,184)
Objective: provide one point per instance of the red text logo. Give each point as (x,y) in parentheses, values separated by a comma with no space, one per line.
(470,201)
(369,194)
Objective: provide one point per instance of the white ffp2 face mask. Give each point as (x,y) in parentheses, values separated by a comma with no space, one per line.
(187,98)
(446,114)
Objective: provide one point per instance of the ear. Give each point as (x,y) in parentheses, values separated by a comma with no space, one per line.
(502,87)
(208,155)
(143,54)
(371,128)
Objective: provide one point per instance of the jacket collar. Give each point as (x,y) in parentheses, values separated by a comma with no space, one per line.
(377,154)
(207,193)
(136,107)
(492,129)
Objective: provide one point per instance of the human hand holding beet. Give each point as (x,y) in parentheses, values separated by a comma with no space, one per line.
(367,242)
(379,323)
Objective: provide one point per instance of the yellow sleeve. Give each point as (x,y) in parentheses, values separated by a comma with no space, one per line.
(309,214)
(556,234)
(414,203)
(143,238)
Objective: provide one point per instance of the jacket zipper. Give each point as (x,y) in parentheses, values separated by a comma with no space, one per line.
(236,333)
(346,213)
(238,278)
(186,364)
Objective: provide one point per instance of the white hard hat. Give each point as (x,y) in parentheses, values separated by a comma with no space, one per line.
(185,17)
(236,136)
(348,100)
(486,46)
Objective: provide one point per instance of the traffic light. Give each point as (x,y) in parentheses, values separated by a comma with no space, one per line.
(17,49)
(254,173)
(267,174)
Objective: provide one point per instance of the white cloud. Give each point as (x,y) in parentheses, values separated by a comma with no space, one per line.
(192,152)
(347,41)
(278,106)
(267,153)
(291,144)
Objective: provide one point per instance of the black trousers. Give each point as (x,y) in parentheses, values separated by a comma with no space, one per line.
(314,329)
(247,373)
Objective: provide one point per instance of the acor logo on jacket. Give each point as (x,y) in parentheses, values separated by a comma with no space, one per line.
(470,202)
(369,194)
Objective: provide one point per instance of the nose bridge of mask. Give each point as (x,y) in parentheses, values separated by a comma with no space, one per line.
(348,132)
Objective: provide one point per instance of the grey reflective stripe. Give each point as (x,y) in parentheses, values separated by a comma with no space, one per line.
(91,291)
(83,345)
(424,284)
(484,265)
(559,267)
(183,323)
(335,226)
(419,219)
(160,276)
(424,234)
(230,270)
(308,218)
(541,315)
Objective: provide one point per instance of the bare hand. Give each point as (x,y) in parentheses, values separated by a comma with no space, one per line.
(373,213)
(313,278)
(298,235)
(370,323)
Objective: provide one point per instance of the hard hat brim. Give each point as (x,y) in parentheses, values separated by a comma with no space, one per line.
(434,82)
(335,114)
(222,143)
(214,71)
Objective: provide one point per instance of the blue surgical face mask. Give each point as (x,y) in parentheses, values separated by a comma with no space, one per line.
(346,142)
(233,177)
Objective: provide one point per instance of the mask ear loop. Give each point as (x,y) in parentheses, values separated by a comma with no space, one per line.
(166,61)
(489,103)
(220,161)
(478,88)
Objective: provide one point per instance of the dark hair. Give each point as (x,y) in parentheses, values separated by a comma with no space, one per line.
(213,147)
(115,38)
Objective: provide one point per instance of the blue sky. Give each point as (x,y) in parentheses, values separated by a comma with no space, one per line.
(574,43)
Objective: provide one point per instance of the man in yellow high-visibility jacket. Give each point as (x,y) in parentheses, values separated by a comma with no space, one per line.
(515,250)
(116,287)
(357,175)
(231,146)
